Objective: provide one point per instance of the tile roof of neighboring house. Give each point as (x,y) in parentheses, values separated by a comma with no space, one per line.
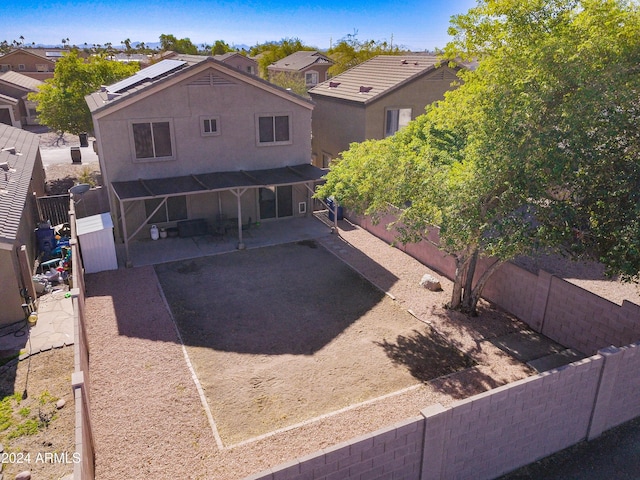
(223,56)
(300,60)
(376,77)
(168,70)
(16,79)
(15,176)
(51,54)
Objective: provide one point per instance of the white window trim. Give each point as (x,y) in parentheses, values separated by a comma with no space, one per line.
(316,77)
(277,114)
(42,67)
(209,117)
(21,67)
(390,109)
(132,143)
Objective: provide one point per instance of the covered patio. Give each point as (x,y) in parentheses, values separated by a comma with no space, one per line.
(231,210)
(151,252)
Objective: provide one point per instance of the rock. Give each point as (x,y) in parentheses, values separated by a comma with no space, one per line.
(26,475)
(430,283)
(60,403)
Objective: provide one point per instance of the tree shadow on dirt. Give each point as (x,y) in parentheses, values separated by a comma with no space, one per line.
(286,299)
(426,355)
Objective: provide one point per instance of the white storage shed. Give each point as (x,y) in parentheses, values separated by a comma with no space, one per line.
(95,234)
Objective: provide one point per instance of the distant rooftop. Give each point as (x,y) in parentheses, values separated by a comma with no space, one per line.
(376,77)
(300,60)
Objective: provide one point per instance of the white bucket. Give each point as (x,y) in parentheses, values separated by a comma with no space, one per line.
(154,232)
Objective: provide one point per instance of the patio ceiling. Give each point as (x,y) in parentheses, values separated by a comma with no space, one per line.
(207,182)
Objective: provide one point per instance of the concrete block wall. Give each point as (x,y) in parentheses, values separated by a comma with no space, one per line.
(516,290)
(562,311)
(393,453)
(582,320)
(497,431)
(618,398)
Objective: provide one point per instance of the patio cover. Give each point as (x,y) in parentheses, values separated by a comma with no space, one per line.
(237,182)
(208,182)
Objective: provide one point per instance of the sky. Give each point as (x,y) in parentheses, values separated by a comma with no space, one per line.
(414,24)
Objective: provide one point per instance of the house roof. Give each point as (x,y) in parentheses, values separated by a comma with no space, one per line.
(376,77)
(16,79)
(50,54)
(225,56)
(167,72)
(209,182)
(300,60)
(16,170)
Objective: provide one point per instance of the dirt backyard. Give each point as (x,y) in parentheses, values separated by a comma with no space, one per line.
(284,334)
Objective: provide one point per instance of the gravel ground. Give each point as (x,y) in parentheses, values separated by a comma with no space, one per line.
(147,415)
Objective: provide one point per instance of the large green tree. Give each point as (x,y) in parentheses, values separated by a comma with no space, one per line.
(169,42)
(61,101)
(537,148)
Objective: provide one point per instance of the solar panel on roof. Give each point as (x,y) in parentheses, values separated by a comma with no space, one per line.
(124,84)
(160,68)
(149,73)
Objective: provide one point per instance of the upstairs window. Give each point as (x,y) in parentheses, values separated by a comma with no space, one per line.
(41,67)
(273,129)
(396,119)
(209,126)
(152,140)
(311,78)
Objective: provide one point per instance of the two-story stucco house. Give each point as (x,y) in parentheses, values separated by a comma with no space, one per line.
(38,63)
(192,138)
(310,65)
(373,100)
(15,108)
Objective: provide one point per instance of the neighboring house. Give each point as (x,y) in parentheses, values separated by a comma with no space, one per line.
(38,63)
(311,65)
(195,139)
(21,180)
(239,61)
(373,100)
(15,87)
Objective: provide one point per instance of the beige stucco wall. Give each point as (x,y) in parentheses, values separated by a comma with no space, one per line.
(336,124)
(234,149)
(30,62)
(10,298)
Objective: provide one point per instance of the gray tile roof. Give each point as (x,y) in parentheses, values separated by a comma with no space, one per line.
(104,99)
(375,77)
(19,80)
(154,187)
(300,60)
(15,183)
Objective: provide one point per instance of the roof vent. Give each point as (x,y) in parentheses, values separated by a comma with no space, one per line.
(365,89)
(334,84)
(404,62)
(11,150)
(4,166)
